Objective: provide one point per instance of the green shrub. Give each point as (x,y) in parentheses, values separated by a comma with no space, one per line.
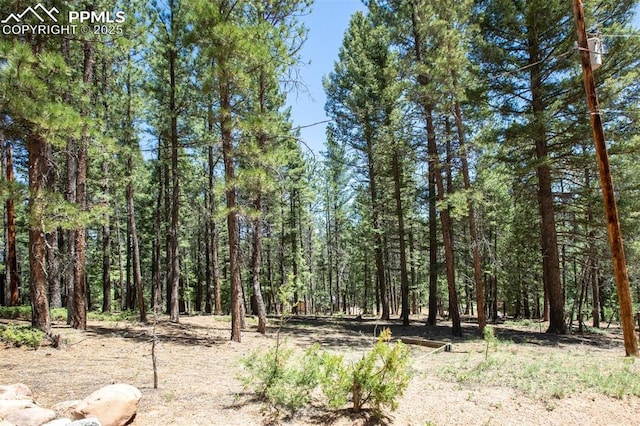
(378,379)
(58,314)
(16,312)
(285,380)
(21,335)
(282,379)
(490,339)
(111,316)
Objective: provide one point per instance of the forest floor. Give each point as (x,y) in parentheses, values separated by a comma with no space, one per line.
(526,377)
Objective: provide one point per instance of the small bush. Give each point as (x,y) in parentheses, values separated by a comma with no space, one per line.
(285,380)
(21,335)
(59,314)
(378,379)
(282,379)
(490,339)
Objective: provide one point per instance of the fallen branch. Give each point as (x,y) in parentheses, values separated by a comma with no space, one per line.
(428,343)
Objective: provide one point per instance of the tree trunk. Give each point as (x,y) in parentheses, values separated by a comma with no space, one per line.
(37,148)
(70,247)
(549,238)
(256,257)
(404,277)
(120,289)
(378,248)
(433,248)
(445,221)
(134,247)
(106,248)
(79,316)
(256,260)
(158,277)
(53,270)
(174,256)
(475,241)
(217,298)
(208,272)
(232,215)
(12,257)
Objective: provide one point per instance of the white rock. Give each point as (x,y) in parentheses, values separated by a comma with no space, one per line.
(11,405)
(59,422)
(15,391)
(113,405)
(31,415)
(65,408)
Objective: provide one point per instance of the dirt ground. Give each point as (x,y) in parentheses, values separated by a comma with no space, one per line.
(198,367)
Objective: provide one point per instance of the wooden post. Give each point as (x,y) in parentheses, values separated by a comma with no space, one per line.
(610,208)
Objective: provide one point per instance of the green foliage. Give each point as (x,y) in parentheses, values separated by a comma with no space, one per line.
(286,380)
(111,316)
(16,312)
(617,380)
(21,335)
(547,375)
(378,379)
(490,339)
(281,378)
(58,314)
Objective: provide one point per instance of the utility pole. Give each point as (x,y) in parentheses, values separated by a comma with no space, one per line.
(610,208)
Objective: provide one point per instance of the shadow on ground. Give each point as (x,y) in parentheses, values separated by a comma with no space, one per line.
(341,332)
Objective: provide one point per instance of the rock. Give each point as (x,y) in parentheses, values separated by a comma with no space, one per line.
(30,415)
(15,391)
(59,422)
(5,423)
(92,421)
(68,422)
(113,405)
(65,408)
(11,405)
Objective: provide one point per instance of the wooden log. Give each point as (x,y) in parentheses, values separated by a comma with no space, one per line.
(428,343)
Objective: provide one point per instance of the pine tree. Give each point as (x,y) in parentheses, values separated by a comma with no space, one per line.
(37,78)
(353,91)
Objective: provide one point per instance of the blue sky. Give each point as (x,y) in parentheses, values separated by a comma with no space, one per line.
(326,23)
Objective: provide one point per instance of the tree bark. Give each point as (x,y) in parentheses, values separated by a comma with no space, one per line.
(445,221)
(12,257)
(475,241)
(548,234)
(404,277)
(69,238)
(256,261)
(433,248)
(232,214)
(37,148)
(174,256)
(434,165)
(375,219)
(79,315)
(256,257)
(131,216)
(158,277)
